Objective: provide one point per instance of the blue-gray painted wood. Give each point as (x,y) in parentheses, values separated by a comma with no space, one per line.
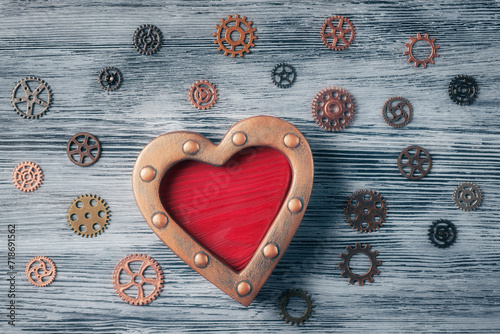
(421,288)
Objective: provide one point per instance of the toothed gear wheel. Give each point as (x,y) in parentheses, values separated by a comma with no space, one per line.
(245,33)
(39,98)
(442,233)
(110,78)
(137,279)
(368,276)
(365,210)
(283,75)
(147,39)
(410,45)
(414,162)
(88,215)
(397,112)
(202,94)
(283,302)
(40,271)
(463,90)
(333,109)
(467,196)
(27,176)
(340,35)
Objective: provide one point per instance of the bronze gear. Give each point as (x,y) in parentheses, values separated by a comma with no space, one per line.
(429,59)
(397,112)
(80,146)
(202,94)
(27,176)
(138,279)
(333,108)
(338,32)
(283,302)
(365,210)
(37,273)
(147,39)
(243,28)
(414,162)
(110,78)
(88,215)
(368,276)
(31,98)
(467,196)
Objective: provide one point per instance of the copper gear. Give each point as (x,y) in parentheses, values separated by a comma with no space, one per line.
(27,176)
(365,210)
(31,98)
(400,114)
(337,32)
(226,41)
(110,78)
(333,109)
(202,94)
(467,196)
(79,145)
(137,279)
(41,271)
(283,302)
(414,162)
(88,215)
(368,276)
(429,59)
(147,39)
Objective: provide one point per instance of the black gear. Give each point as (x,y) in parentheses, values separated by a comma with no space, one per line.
(283,75)
(442,233)
(283,302)
(110,78)
(147,39)
(463,89)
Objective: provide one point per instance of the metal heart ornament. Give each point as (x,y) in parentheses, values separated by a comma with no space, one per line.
(230,210)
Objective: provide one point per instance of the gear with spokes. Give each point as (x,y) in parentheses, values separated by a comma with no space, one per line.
(340,35)
(40,271)
(397,112)
(147,39)
(410,45)
(229,29)
(27,176)
(110,78)
(88,215)
(137,279)
(202,94)
(368,276)
(83,149)
(414,162)
(283,75)
(442,233)
(463,89)
(37,100)
(333,109)
(467,196)
(283,303)
(365,210)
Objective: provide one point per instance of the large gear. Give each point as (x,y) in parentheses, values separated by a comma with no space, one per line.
(442,233)
(110,78)
(463,90)
(283,302)
(42,274)
(147,39)
(137,279)
(40,97)
(333,109)
(245,33)
(365,210)
(27,176)
(202,94)
(343,31)
(397,112)
(88,215)
(368,276)
(467,196)
(414,162)
(283,75)
(410,45)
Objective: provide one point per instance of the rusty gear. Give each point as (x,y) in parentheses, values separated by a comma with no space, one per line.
(442,233)
(283,75)
(31,98)
(202,94)
(110,78)
(463,89)
(467,196)
(88,215)
(341,29)
(429,59)
(83,149)
(138,279)
(333,109)
(368,276)
(365,210)
(147,39)
(414,166)
(42,274)
(283,302)
(397,112)
(243,28)
(27,176)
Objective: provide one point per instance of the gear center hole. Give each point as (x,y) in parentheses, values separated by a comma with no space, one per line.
(137,279)
(296,307)
(359,264)
(31,97)
(421,50)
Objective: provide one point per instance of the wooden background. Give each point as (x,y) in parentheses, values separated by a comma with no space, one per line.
(421,287)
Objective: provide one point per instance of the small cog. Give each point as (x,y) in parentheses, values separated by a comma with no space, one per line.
(463,89)
(442,233)
(202,94)
(429,59)
(397,112)
(36,100)
(333,109)
(235,35)
(27,176)
(283,75)
(147,39)
(110,78)
(40,271)
(88,215)
(340,35)
(283,302)
(365,210)
(467,196)
(368,276)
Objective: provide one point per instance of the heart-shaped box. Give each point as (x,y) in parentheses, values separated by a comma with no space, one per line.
(169,150)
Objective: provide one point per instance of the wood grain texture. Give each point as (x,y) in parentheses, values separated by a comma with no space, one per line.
(421,288)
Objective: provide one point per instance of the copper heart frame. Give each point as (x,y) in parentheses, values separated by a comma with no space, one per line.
(171,148)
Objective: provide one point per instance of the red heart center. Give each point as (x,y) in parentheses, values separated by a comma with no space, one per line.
(228,209)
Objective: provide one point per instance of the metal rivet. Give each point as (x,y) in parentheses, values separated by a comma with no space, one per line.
(270,251)
(239,138)
(201,260)
(291,140)
(148,174)
(243,288)
(160,220)
(295,205)
(191,147)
